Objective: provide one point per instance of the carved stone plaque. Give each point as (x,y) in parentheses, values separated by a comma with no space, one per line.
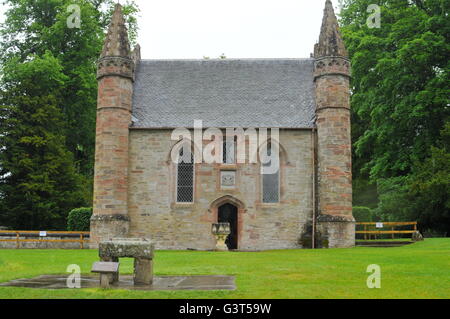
(228,179)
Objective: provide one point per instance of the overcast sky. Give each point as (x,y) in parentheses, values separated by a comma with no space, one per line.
(181,29)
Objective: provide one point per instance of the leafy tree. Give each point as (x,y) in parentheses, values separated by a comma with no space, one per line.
(48,107)
(429,186)
(39,184)
(423,195)
(400,103)
(33,27)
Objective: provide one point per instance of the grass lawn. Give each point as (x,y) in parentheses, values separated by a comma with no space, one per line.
(421,270)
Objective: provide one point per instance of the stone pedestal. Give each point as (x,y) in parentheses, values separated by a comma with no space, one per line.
(105,280)
(139,249)
(113,278)
(221,246)
(143,271)
(221,231)
(336,231)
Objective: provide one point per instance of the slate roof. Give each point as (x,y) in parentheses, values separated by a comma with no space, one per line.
(224,93)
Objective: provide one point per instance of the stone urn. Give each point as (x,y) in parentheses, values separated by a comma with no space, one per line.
(221,232)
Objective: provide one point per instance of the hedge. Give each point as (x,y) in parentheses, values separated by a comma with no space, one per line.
(79,219)
(362,214)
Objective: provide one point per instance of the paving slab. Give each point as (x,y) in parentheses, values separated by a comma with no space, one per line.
(126,282)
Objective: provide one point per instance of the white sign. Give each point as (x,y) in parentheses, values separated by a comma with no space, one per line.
(379,225)
(43,234)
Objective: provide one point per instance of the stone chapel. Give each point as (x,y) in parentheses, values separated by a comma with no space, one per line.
(139,191)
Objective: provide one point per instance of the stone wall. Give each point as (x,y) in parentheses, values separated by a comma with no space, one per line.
(154,213)
(41,244)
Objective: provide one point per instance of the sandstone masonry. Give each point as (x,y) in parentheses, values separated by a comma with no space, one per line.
(115,88)
(135,179)
(332,78)
(154,213)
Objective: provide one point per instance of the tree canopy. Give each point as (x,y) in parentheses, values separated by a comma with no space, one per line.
(400,103)
(48,106)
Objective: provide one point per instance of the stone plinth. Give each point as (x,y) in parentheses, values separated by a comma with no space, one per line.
(336,231)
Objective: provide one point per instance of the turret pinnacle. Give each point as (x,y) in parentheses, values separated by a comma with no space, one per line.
(330,41)
(116,42)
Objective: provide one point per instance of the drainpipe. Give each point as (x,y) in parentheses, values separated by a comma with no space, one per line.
(313,144)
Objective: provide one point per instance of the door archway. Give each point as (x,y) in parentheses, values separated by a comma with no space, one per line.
(230,209)
(228,213)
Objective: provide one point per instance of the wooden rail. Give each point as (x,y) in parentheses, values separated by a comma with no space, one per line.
(369,229)
(80,237)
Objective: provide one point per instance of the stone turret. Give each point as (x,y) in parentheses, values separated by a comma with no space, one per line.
(115,74)
(336,224)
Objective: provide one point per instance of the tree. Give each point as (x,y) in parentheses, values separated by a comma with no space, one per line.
(400,97)
(423,195)
(430,186)
(48,125)
(39,184)
(33,27)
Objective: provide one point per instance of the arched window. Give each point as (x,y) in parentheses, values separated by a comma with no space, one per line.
(229,151)
(270,170)
(185,176)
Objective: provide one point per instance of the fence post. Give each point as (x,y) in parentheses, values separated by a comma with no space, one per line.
(81,240)
(17,240)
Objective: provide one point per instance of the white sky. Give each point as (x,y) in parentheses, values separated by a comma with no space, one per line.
(191,29)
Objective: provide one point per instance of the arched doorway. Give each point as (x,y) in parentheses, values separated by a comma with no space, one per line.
(233,211)
(228,213)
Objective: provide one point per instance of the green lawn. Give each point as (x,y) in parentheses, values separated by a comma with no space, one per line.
(421,270)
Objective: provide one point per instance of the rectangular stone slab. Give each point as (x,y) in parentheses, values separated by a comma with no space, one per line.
(105,267)
(127,282)
(127,247)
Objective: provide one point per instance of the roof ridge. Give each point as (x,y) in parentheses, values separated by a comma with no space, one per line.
(231,59)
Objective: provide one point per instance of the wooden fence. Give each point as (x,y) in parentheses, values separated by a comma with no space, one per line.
(373,229)
(44,237)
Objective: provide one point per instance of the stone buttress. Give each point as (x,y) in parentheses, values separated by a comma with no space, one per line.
(115,74)
(336,225)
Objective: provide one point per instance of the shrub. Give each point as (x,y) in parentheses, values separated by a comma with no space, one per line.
(79,219)
(362,214)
